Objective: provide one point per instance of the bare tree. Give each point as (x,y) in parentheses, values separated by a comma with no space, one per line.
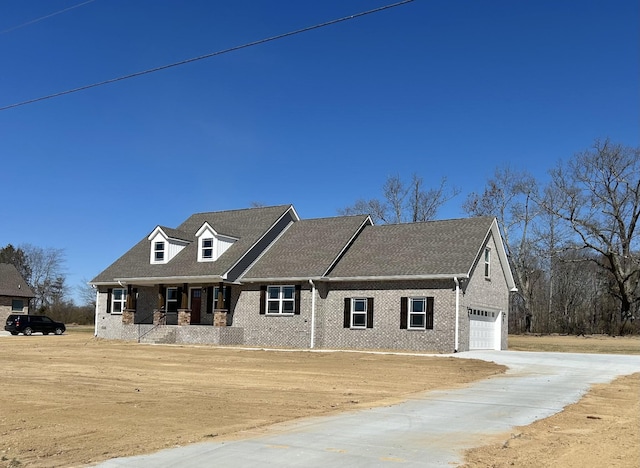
(509,196)
(402,202)
(597,193)
(47,276)
(86,293)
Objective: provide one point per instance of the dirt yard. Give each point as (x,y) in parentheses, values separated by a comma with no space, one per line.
(72,400)
(602,429)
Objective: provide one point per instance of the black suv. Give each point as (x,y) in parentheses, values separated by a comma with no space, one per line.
(29,324)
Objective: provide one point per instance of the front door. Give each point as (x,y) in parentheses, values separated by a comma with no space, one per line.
(196,296)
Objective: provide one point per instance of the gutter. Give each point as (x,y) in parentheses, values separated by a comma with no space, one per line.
(457,331)
(313,313)
(95,318)
(334,279)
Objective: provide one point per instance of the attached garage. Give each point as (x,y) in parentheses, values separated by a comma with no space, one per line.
(484,329)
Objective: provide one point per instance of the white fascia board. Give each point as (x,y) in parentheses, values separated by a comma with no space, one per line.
(304,279)
(155,232)
(502,254)
(367,222)
(166,279)
(357,278)
(398,277)
(204,227)
(262,237)
(295,213)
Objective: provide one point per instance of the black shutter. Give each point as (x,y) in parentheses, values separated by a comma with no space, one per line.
(209,309)
(403,312)
(179,298)
(226,296)
(429,324)
(263,300)
(347,312)
(296,305)
(109,292)
(370,312)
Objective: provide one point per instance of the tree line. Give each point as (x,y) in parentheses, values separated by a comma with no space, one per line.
(43,270)
(572,241)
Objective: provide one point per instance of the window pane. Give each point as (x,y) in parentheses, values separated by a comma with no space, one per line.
(274,292)
(17,304)
(273,307)
(172,293)
(417,321)
(117,306)
(207,243)
(287,307)
(117,294)
(159,245)
(359,305)
(289,291)
(359,320)
(417,305)
(207,253)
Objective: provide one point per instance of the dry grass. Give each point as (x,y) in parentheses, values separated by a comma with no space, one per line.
(73,399)
(598,344)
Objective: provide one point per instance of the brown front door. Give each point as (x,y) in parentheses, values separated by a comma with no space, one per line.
(196,296)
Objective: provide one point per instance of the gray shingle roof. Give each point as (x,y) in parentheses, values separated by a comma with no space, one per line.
(307,249)
(12,283)
(247,225)
(431,248)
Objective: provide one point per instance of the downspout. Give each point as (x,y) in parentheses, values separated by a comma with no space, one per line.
(457,332)
(313,313)
(95,318)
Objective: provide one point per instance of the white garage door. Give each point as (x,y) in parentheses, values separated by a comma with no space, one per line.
(484,329)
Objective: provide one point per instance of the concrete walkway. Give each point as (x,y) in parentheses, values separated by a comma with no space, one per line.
(431,429)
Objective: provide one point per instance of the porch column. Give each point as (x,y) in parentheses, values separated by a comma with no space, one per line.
(128,314)
(184,313)
(220,313)
(158,313)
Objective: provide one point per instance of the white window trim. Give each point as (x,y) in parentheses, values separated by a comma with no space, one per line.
(410,312)
(280,300)
(487,263)
(122,301)
(156,244)
(220,243)
(167,300)
(354,312)
(211,248)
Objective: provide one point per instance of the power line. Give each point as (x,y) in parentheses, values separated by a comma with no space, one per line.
(44,17)
(206,56)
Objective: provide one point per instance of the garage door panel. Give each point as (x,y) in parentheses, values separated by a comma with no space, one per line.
(483,330)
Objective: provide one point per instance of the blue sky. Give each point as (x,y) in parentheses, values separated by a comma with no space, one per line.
(440,88)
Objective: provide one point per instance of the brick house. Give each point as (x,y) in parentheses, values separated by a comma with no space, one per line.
(264,277)
(15,293)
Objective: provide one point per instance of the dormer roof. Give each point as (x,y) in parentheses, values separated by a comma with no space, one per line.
(248,226)
(171,234)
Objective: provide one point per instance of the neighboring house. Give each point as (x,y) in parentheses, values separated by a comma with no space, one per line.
(15,293)
(263,277)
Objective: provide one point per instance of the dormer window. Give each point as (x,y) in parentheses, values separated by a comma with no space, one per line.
(166,243)
(158,249)
(207,248)
(211,245)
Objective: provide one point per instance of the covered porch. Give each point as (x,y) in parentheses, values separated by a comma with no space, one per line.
(182,304)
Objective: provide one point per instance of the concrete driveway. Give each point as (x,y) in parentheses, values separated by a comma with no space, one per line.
(430,429)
